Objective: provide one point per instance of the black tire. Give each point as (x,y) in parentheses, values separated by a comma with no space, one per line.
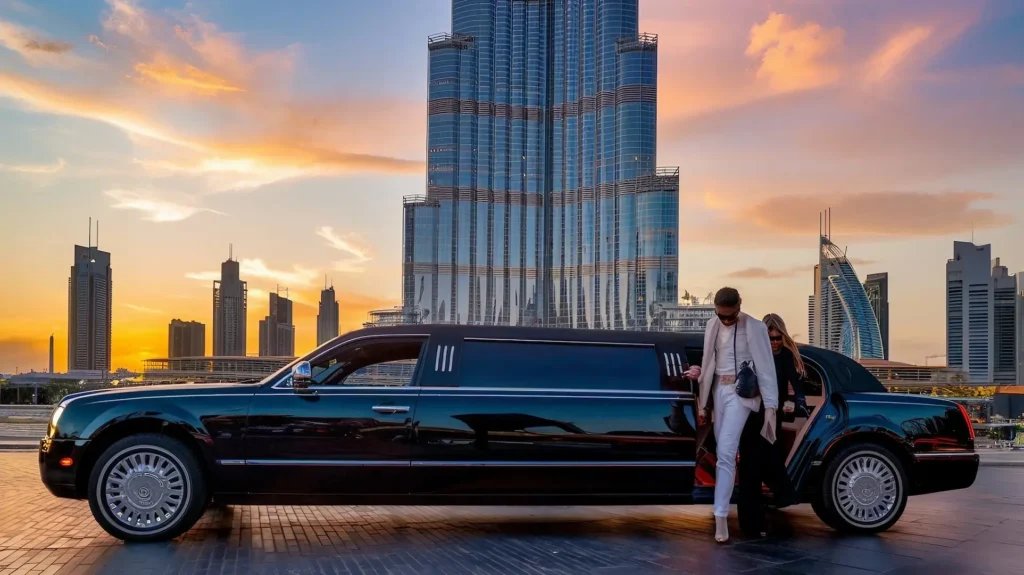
(147,487)
(864,490)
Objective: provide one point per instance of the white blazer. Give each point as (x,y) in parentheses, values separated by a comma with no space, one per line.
(760,350)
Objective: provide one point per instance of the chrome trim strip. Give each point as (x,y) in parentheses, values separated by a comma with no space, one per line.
(947,455)
(406,463)
(553,464)
(451,359)
(914,403)
(177,396)
(326,463)
(437,358)
(682,396)
(602,343)
(552,389)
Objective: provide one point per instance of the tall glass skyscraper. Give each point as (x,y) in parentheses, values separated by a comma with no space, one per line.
(544,205)
(841,316)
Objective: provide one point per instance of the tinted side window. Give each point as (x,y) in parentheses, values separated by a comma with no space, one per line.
(553,365)
(377,362)
(814,385)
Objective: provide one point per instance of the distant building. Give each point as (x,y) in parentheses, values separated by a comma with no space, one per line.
(277,332)
(690,316)
(230,303)
(327,317)
(397,315)
(186,338)
(1005,345)
(839,312)
(51,353)
(877,289)
(210,369)
(982,300)
(90,304)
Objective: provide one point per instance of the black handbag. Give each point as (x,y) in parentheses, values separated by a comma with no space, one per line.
(746,377)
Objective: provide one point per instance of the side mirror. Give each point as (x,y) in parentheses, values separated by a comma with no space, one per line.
(302,377)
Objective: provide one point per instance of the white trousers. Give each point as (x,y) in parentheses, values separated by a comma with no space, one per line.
(729,418)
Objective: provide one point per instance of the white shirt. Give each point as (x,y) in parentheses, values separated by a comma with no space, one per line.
(725,364)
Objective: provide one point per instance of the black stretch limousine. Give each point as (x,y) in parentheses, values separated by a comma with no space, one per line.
(483,415)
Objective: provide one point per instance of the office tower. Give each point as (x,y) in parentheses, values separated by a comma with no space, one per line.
(186,339)
(277,333)
(840,315)
(982,292)
(1004,325)
(877,289)
(544,205)
(327,316)
(1020,328)
(51,353)
(229,308)
(812,338)
(90,304)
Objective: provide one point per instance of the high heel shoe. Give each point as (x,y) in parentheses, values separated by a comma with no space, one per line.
(721,529)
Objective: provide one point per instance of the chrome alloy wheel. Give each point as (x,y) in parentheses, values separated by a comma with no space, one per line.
(145,489)
(867,489)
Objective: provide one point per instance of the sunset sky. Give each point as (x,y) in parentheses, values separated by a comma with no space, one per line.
(293,129)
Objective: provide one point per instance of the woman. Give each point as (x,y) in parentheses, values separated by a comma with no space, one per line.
(761,461)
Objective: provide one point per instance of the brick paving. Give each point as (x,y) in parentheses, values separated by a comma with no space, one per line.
(980,530)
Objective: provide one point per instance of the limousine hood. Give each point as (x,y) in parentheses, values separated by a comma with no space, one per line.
(155,390)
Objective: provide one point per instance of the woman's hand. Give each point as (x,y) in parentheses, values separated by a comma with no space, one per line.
(692,373)
(768,430)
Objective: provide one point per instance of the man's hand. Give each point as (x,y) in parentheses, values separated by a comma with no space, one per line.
(768,430)
(692,373)
(702,417)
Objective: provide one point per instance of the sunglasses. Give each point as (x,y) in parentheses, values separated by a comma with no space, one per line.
(730,317)
(775,337)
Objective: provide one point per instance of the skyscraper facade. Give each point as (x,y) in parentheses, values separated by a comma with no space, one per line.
(876,286)
(983,315)
(186,339)
(90,305)
(544,205)
(1004,325)
(327,317)
(230,303)
(840,314)
(277,332)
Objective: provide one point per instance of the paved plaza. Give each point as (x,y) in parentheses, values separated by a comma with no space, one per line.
(980,530)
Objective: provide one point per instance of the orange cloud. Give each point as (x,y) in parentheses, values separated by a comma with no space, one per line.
(184,77)
(896,50)
(795,56)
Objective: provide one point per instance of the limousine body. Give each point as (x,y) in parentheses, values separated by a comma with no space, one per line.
(483,416)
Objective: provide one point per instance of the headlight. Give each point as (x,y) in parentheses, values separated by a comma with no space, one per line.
(56,415)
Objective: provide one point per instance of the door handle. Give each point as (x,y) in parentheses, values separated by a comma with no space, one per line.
(391,409)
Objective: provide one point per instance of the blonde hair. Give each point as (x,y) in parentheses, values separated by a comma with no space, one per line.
(773,322)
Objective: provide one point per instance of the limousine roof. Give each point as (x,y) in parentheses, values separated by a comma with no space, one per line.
(537,334)
(845,374)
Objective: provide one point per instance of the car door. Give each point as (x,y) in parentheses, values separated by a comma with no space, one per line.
(350,433)
(513,417)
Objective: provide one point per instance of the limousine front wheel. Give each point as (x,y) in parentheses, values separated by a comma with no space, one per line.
(146,488)
(864,490)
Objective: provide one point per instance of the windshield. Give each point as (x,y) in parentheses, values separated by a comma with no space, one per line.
(288,366)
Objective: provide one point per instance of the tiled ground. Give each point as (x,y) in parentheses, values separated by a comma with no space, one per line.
(980,530)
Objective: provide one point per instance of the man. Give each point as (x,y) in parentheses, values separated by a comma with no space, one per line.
(732,339)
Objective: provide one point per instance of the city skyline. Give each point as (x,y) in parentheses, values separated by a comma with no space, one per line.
(185,127)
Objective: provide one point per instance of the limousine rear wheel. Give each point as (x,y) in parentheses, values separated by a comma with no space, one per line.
(864,490)
(147,487)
